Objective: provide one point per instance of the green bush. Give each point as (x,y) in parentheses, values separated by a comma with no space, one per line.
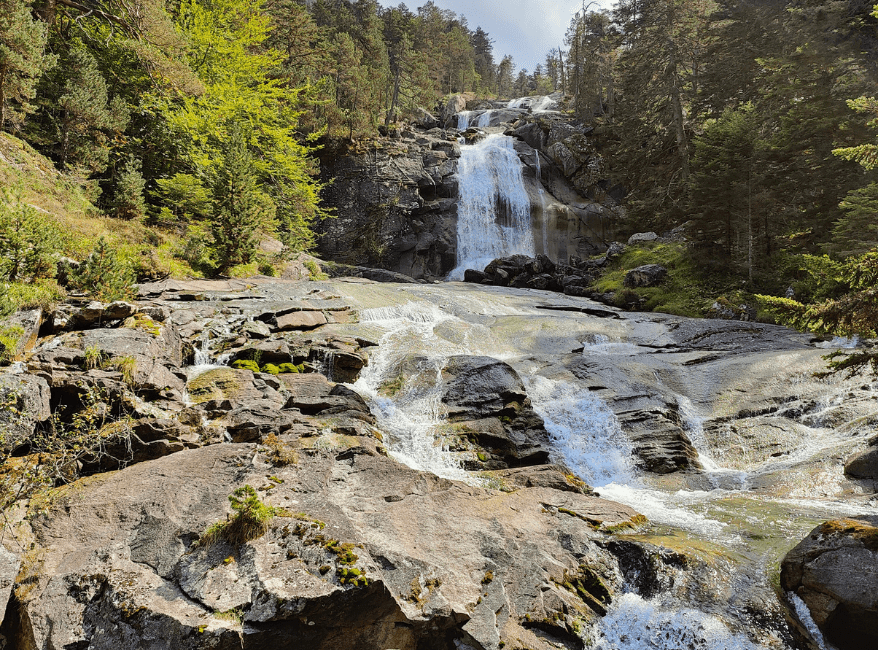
(271,369)
(250,521)
(285,368)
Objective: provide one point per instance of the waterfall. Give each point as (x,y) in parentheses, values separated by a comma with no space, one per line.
(538,104)
(463,120)
(584,431)
(494,209)
(485,119)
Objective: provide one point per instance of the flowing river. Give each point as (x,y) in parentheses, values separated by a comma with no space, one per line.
(621,394)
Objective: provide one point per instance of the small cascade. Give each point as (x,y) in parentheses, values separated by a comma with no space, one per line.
(485,119)
(584,431)
(410,413)
(494,217)
(633,623)
(463,120)
(203,360)
(538,104)
(804,615)
(693,425)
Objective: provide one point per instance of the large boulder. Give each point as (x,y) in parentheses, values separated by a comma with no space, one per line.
(835,572)
(24,403)
(864,465)
(648,275)
(486,400)
(365,553)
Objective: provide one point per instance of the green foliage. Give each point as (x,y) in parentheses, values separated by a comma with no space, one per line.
(185,196)
(240,210)
(28,242)
(128,199)
(271,369)
(291,368)
(683,293)
(10,338)
(77,117)
(246,364)
(865,154)
(852,313)
(14,296)
(22,59)
(103,275)
(126,365)
(250,520)
(857,231)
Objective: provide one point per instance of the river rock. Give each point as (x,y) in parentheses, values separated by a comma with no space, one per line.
(486,400)
(30,397)
(396,205)
(648,275)
(864,465)
(658,440)
(640,237)
(834,571)
(119,566)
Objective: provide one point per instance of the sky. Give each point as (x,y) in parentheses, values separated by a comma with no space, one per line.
(526,29)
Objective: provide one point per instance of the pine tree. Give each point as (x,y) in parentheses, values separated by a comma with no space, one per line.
(857,231)
(128,201)
(22,59)
(105,276)
(238,204)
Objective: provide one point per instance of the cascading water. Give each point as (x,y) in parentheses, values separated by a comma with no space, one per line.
(538,104)
(484,119)
(494,209)
(411,414)
(463,120)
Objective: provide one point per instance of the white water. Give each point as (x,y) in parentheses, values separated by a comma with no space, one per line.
(485,119)
(411,416)
(494,209)
(633,623)
(463,120)
(804,616)
(584,430)
(204,360)
(538,104)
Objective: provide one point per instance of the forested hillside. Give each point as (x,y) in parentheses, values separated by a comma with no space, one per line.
(200,119)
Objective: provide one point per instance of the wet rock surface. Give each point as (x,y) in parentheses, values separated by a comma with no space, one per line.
(834,571)
(365,551)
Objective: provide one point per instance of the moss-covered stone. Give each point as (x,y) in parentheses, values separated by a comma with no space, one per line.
(222,383)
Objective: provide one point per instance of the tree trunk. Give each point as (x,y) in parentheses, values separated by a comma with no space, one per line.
(676,101)
(2,97)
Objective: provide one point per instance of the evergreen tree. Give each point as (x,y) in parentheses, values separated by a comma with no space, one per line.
(728,190)
(238,205)
(22,59)
(77,116)
(128,200)
(856,232)
(104,275)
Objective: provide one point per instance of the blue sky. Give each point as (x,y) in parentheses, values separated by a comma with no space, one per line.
(526,29)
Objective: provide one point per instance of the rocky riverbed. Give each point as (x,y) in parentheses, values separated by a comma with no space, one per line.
(451,466)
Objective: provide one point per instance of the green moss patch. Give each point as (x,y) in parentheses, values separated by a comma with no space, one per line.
(222,383)
(683,291)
